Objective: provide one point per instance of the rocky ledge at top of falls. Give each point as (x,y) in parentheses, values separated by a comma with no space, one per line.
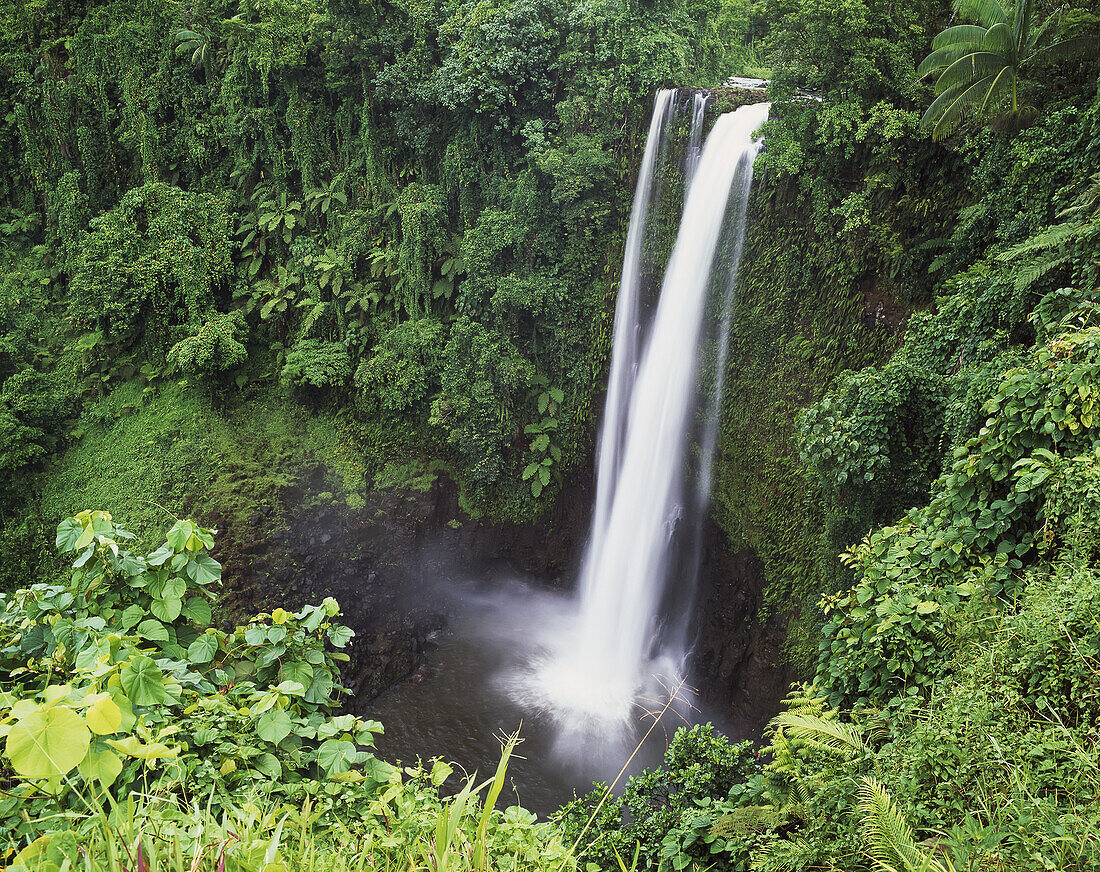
(377,562)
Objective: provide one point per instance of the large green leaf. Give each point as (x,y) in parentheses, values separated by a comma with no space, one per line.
(273,726)
(204,569)
(268,764)
(179,534)
(167,609)
(47,743)
(103,766)
(132,746)
(131,616)
(104,716)
(143,681)
(153,630)
(336,755)
(296,670)
(203,649)
(340,635)
(198,610)
(69,532)
(321,688)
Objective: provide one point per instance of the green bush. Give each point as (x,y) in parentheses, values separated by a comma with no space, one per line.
(657,817)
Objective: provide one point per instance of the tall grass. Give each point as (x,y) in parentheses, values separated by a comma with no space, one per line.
(409,827)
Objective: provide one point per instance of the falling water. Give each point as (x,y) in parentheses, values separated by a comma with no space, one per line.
(624,362)
(695,140)
(598,670)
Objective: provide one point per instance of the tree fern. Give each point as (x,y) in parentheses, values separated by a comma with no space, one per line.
(826,734)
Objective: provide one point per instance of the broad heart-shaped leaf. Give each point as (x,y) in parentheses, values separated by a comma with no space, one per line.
(152,630)
(104,717)
(256,634)
(167,609)
(103,766)
(167,586)
(198,610)
(296,670)
(340,635)
(68,533)
(273,726)
(47,743)
(204,569)
(158,557)
(133,747)
(85,538)
(321,688)
(131,565)
(126,707)
(143,681)
(335,755)
(131,616)
(179,534)
(203,649)
(268,764)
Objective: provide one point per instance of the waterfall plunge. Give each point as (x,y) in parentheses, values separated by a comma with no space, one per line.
(598,668)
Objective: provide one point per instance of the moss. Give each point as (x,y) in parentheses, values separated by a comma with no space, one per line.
(796,327)
(145,455)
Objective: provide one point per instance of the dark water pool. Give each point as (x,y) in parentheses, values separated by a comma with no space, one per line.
(475,689)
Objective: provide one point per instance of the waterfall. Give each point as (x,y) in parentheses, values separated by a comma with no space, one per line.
(597,671)
(625,339)
(694,150)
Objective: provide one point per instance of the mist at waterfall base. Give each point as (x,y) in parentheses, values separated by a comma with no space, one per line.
(588,673)
(466,700)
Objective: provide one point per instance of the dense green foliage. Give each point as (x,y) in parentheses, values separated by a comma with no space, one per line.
(241,237)
(406,217)
(116,684)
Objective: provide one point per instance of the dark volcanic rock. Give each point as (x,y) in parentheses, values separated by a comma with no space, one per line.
(738,659)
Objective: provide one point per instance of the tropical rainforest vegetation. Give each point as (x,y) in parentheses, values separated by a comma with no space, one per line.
(247,240)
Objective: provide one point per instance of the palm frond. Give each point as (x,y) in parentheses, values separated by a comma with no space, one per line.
(823,733)
(945,55)
(960,33)
(1001,82)
(1075,48)
(1025,10)
(947,109)
(888,836)
(1000,39)
(970,68)
(986,12)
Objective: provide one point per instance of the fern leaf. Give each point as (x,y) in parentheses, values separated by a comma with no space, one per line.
(1032,272)
(1053,236)
(888,836)
(828,735)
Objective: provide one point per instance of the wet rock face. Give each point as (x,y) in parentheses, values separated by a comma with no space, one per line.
(379,562)
(737,659)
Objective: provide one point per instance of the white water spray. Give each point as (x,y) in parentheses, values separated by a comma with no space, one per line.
(598,668)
